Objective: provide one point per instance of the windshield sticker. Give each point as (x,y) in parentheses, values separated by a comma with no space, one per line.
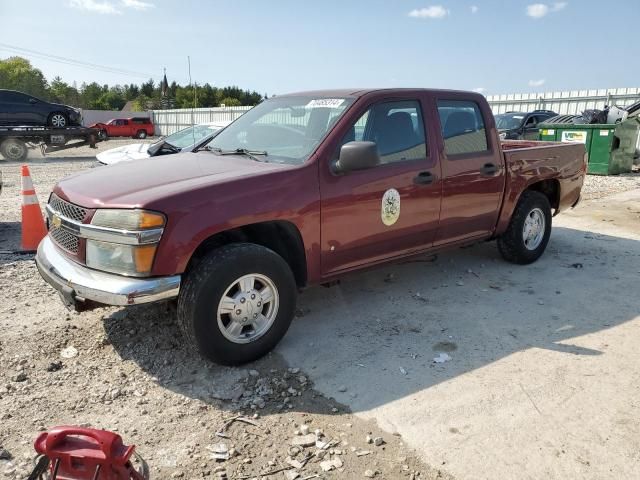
(519,117)
(325,103)
(390,210)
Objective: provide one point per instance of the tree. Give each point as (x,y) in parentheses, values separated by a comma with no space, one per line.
(231,102)
(91,96)
(131,92)
(185,97)
(61,92)
(114,98)
(17,73)
(207,96)
(148,88)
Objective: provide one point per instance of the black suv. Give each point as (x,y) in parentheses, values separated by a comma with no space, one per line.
(521,125)
(18,108)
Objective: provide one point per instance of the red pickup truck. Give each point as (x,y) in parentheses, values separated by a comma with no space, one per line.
(298,191)
(136,127)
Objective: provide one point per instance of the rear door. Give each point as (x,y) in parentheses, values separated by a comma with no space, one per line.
(388,210)
(472,168)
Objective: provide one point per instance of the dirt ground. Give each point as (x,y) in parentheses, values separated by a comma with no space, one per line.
(540,381)
(127,370)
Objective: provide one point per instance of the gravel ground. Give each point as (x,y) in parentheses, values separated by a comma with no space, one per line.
(127,370)
(597,186)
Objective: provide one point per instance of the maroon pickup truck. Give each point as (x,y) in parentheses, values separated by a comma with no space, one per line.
(298,191)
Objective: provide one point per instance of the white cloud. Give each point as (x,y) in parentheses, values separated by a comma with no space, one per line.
(137,4)
(479,89)
(539,10)
(474,9)
(537,83)
(95,6)
(434,11)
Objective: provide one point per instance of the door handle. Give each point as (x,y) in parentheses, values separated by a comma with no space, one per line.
(424,178)
(489,169)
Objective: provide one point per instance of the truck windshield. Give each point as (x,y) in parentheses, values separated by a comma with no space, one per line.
(288,129)
(508,121)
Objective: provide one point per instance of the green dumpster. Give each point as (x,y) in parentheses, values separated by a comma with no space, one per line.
(599,141)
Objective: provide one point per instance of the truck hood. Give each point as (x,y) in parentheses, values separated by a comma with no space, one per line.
(143,182)
(136,151)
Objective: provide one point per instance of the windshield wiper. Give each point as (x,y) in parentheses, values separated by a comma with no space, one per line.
(240,151)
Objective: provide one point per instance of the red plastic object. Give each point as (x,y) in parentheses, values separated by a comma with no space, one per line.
(87,454)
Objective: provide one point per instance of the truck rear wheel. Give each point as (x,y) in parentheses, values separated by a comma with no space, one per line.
(237,303)
(14,149)
(141,134)
(528,233)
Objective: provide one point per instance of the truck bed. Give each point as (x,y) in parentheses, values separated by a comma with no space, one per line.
(561,165)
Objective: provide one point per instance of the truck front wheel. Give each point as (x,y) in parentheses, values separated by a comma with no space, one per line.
(528,233)
(237,303)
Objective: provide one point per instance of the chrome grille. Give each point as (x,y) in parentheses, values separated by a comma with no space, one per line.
(64,239)
(66,209)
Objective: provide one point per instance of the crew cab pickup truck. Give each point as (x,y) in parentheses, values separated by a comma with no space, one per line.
(301,190)
(136,127)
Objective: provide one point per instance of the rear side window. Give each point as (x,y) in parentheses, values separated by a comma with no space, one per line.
(462,127)
(140,121)
(14,97)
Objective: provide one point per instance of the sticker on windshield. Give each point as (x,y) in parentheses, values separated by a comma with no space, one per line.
(325,103)
(390,211)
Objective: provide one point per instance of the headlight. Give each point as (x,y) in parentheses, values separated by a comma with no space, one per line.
(127,219)
(128,257)
(134,260)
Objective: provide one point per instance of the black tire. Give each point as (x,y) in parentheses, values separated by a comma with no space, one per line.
(103,135)
(204,287)
(511,244)
(58,120)
(141,134)
(14,149)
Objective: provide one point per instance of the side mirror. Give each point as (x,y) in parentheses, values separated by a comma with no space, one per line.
(33,100)
(356,156)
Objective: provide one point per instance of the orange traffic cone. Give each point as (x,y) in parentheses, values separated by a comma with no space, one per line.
(33,229)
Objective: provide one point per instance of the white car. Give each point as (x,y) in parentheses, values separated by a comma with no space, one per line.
(183,141)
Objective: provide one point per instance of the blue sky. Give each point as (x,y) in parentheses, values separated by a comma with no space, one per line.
(278,46)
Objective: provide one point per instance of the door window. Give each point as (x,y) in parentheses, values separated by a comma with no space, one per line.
(397,128)
(462,127)
(15,97)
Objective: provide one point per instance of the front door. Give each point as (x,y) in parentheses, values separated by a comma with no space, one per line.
(120,128)
(385,211)
(472,169)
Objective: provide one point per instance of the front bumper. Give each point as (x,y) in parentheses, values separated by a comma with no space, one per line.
(77,283)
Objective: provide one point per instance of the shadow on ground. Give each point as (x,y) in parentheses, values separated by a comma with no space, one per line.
(378,332)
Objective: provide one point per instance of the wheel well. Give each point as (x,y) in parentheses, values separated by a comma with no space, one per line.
(550,189)
(280,236)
